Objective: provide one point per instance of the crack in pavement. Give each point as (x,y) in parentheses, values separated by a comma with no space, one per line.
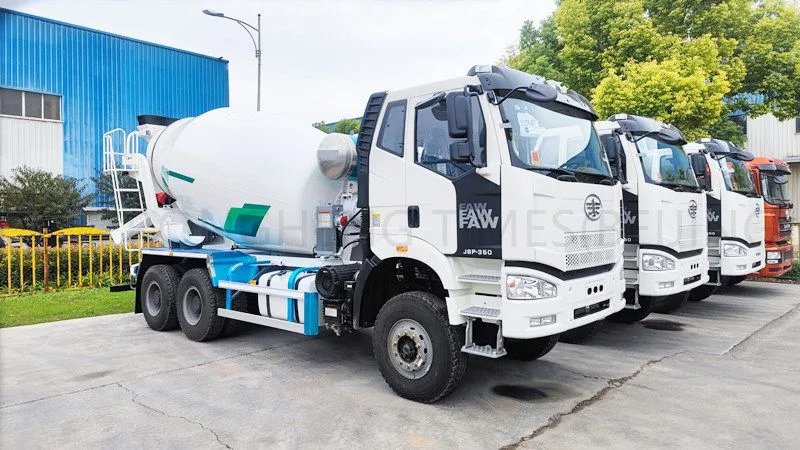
(613,384)
(135,395)
(591,377)
(177,369)
(761,329)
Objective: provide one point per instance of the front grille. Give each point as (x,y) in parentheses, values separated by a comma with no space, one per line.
(589,249)
(584,311)
(691,237)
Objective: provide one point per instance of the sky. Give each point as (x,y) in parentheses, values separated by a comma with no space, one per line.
(321,59)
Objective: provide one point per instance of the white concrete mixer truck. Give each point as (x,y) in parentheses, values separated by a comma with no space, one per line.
(735,214)
(475,215)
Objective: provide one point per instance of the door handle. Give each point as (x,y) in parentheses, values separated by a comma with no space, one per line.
(413,216)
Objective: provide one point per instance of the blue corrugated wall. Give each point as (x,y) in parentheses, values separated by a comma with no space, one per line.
(104,80)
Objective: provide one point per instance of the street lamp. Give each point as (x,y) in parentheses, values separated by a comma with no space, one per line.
(257,46)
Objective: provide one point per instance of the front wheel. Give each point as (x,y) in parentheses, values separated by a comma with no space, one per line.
(702,292)
(581,334)
(671,303)
(417,350)
(530,349)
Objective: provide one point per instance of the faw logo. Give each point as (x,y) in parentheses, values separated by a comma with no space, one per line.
(592,206)
(692,209)
(476,215)
(628,217)
(713,216)
(758,211)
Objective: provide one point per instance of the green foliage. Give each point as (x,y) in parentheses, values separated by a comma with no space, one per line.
(35,199)
(347,126)
(728,130)
(66,268)
(713,49)
(321,125)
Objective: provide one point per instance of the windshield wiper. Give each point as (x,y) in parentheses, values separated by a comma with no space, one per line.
(746,193)
(555,172)
(606,180)
(680,187)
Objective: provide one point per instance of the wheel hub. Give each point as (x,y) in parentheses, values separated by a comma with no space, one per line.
(192,306)
(410,349)
(153,299)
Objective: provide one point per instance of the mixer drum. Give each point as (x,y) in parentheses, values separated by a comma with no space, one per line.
(251,177)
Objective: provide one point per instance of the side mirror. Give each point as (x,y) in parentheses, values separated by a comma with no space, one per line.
(698,161)
(615,155)
(463,119)
(541,93)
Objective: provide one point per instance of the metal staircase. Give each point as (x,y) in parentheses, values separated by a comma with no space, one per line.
(128,161)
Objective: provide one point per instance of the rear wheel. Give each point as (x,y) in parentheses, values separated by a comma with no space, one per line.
(197,305)
(159,288)
(629,315)
(530,349)
(417,350)
(702,292)
(581,334)
(671,303)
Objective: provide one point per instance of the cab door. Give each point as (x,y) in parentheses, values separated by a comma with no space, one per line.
(450,205)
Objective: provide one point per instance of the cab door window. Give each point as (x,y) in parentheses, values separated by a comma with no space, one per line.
(432,149)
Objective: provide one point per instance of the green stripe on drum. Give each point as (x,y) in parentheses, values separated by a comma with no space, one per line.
(245,220)
(180,176)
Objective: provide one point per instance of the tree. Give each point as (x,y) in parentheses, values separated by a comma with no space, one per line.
(747,47)
(347,126)
(321,125)
(35,199)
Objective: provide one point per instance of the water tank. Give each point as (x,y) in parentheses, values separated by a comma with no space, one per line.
(251,177)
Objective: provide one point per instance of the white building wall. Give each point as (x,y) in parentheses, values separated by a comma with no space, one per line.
(31,142)
(767,136)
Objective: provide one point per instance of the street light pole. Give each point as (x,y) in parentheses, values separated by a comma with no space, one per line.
(257,45)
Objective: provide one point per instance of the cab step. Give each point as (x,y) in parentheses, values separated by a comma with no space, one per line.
(481,312)
(487,350)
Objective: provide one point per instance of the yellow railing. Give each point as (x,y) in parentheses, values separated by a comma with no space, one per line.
(72,257)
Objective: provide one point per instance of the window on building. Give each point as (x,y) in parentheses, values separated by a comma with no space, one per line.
(33,105)
(393,128)
(30,104)
(10,102)
(797,125)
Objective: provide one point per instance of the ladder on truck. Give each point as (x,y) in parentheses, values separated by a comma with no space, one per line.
(127,161)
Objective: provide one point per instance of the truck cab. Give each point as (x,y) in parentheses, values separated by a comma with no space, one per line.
(735,213)
(474,215)
(771,178)
(663,214)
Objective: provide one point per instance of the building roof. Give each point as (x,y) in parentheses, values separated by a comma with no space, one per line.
(93,30)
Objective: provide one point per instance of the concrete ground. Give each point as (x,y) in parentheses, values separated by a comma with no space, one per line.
(724,372)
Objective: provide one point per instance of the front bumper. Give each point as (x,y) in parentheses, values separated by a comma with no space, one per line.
(576,304)
(733,266)
(689,273)
(776,268)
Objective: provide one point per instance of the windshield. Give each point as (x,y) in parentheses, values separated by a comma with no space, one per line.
(541,139)
(736,176)
(773,185)
(665,164)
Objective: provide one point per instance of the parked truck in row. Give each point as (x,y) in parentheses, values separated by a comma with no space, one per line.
(475,215)
(771,178)
(735,213)
(664,214)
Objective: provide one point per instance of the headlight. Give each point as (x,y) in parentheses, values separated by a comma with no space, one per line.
(773,255)
(529,288)
(657,262)
(733,250)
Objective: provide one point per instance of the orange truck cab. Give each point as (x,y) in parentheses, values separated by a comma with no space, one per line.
(771,175)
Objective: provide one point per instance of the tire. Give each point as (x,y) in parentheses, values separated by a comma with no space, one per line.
(530,349)
(426,343)
(158,293)
(197,304)
(732,281)
(671,303)
(630,316)
(702,292)
(233,326)
(581,334)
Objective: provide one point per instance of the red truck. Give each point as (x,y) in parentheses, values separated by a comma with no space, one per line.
(771,175)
